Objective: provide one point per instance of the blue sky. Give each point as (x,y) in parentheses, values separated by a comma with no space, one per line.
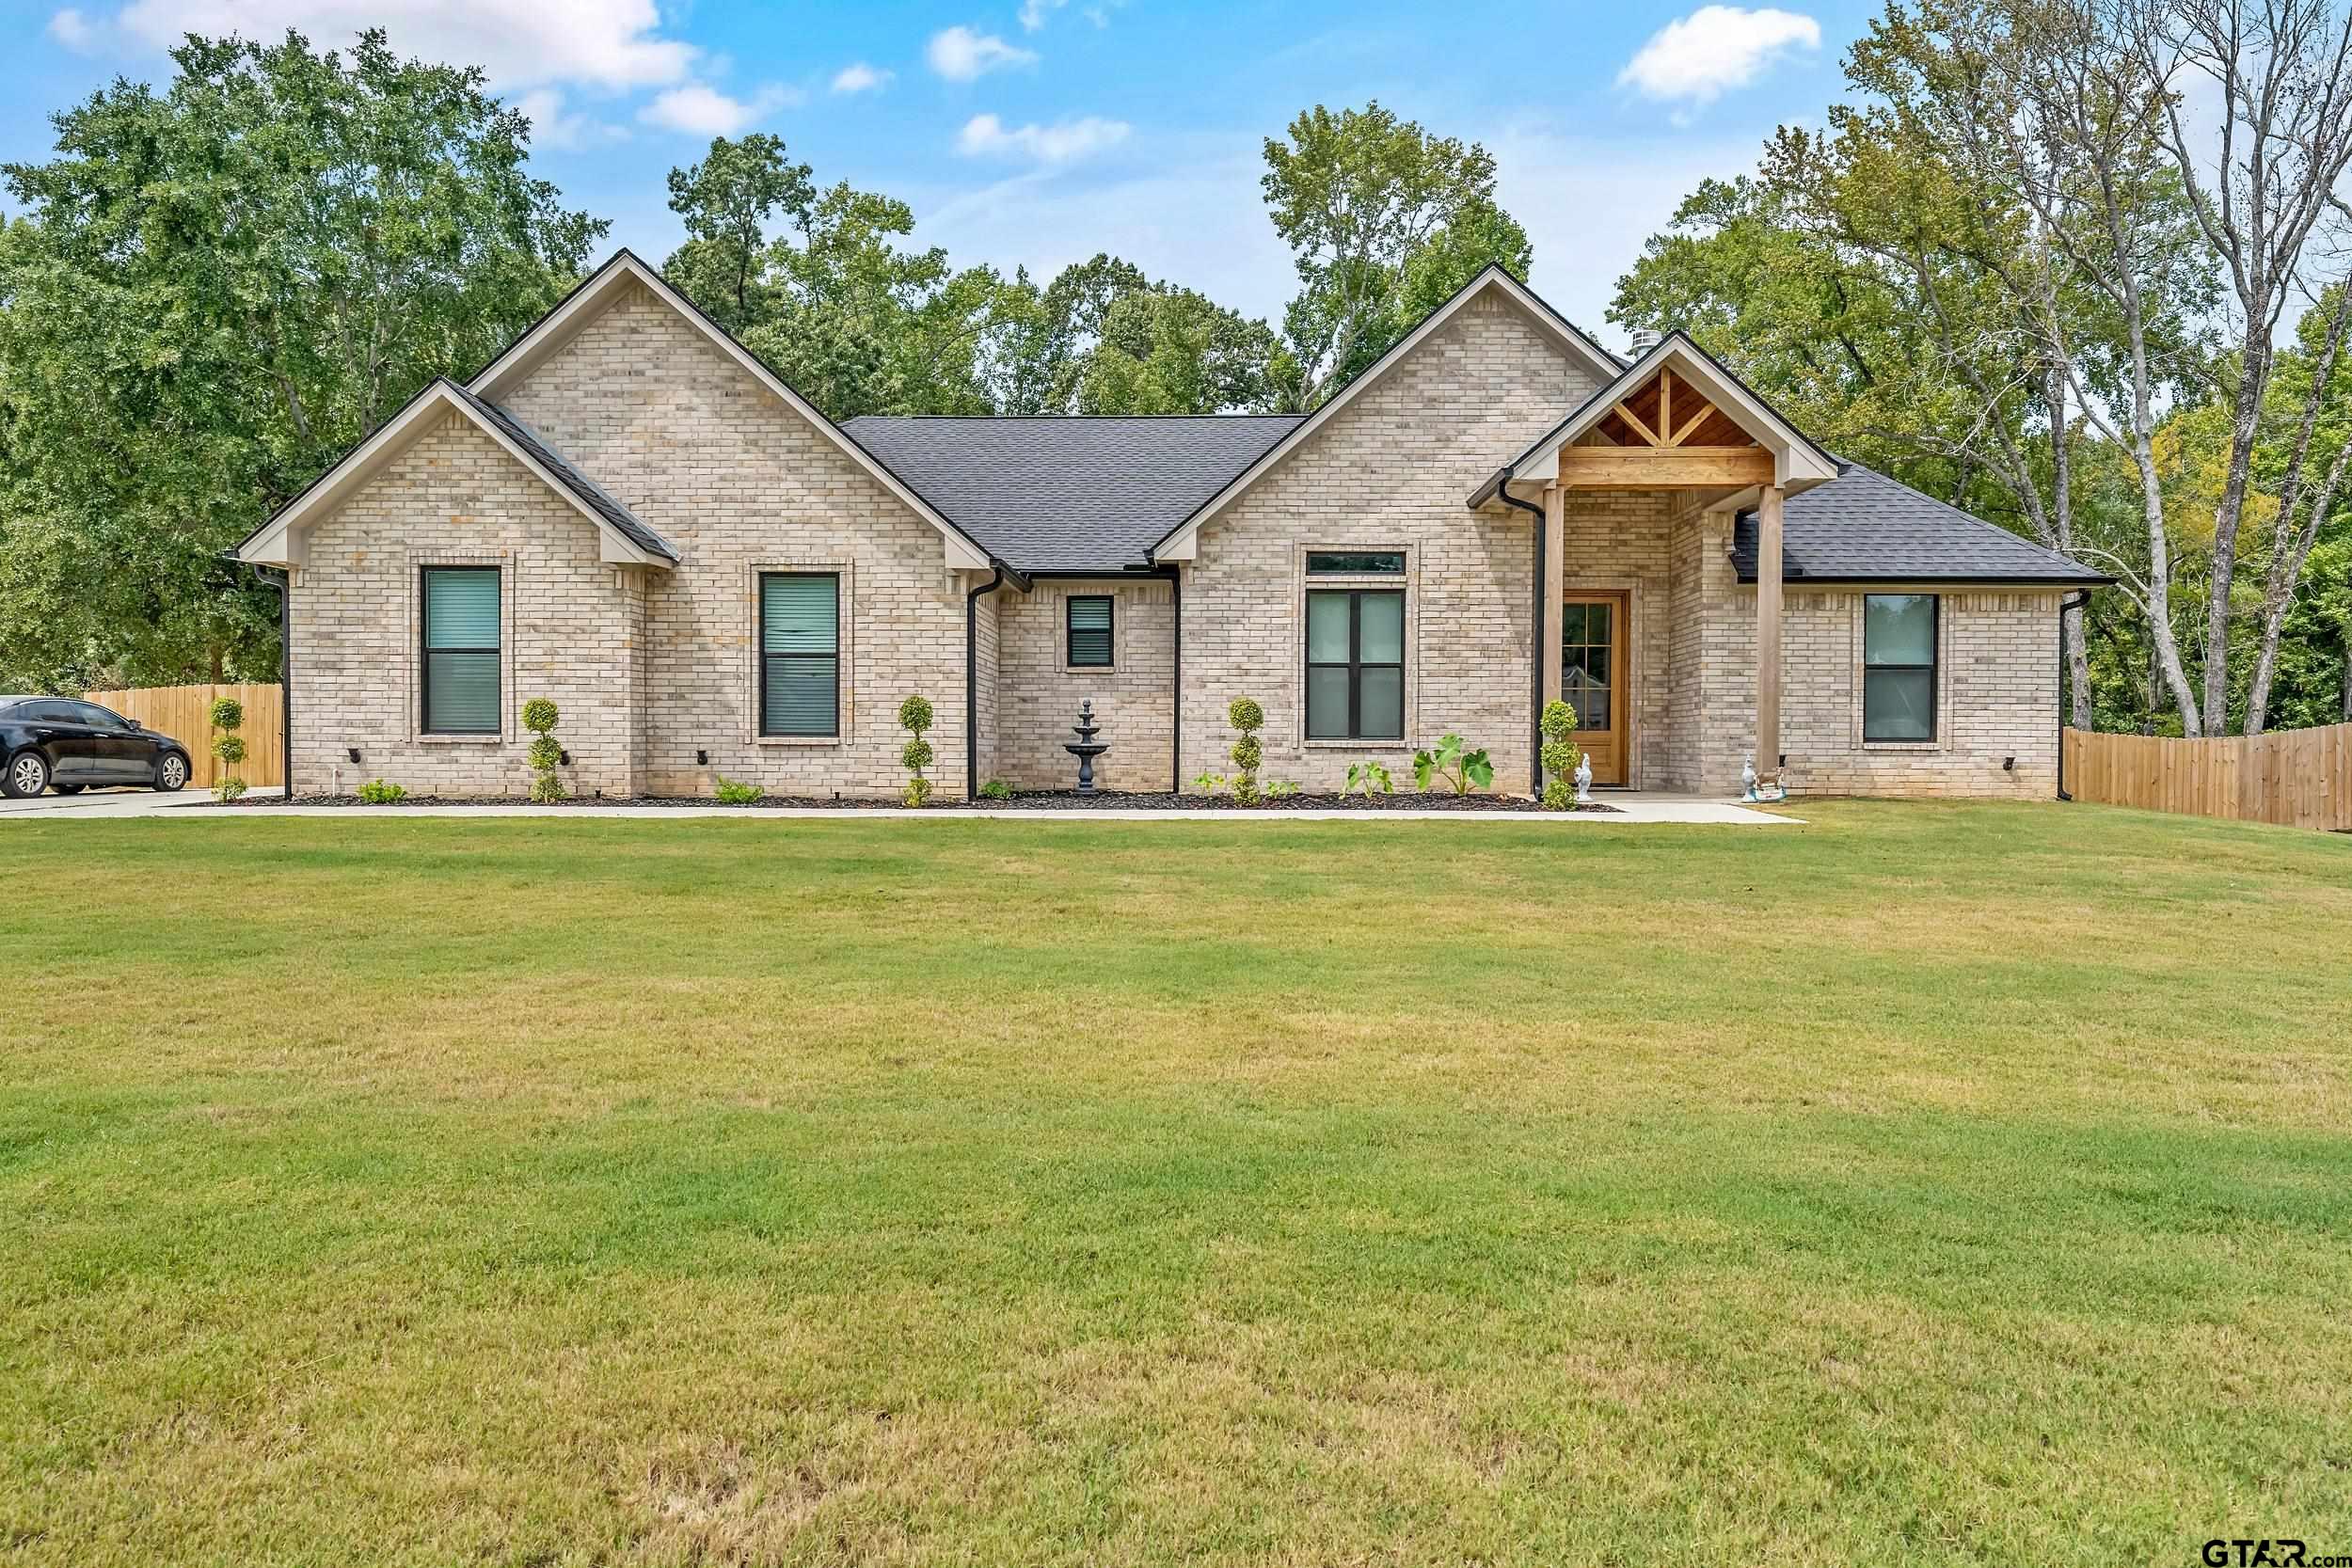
(1039,131)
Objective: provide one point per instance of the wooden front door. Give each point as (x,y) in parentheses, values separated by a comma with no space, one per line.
(1593,638)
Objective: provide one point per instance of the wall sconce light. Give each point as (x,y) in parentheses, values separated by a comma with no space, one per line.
(702,759)
(563,757)
(1784,759)
(2009,765)
(353,753)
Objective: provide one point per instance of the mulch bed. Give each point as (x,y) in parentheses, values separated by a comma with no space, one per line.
(1054,799)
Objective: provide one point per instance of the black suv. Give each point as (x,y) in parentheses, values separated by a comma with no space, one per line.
(73,746)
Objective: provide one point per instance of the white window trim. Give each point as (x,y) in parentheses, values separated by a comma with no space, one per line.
(749,672)
(1302,584)
(1117,593)
(411,630)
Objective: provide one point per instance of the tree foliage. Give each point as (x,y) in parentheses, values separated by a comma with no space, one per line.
(216,289)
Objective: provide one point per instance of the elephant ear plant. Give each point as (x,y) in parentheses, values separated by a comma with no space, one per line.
(915,716)
(539,717)
(1461,771)
(227,716)
(1559,755)
(1244,715)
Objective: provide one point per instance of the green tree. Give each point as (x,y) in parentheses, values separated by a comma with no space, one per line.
(727,201)
(216,289)
(1360,196)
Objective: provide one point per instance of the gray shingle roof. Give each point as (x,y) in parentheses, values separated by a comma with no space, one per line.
(1055,494)
(1864,527)
(597,498)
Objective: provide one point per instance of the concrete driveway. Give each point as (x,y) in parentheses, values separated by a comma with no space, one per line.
(101,803)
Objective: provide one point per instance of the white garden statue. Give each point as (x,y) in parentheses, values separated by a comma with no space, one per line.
(1585,779)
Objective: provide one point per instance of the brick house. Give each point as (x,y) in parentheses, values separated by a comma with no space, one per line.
(627,512)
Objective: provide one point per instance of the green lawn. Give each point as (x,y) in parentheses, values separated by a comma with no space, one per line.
(1928,1185)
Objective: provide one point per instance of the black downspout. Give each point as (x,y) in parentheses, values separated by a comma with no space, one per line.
(972,684)
(2074,601)
(1536,636)
(1176,688)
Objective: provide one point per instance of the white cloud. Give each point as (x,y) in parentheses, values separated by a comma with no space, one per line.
(1034,12)
(554,130)
(961,55)
(702,110)
(1695,58)
(610,43)
(985,135)
(73,29)
(859,77)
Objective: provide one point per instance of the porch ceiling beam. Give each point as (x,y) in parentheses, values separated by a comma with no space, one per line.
(1663,467)
(1690,425)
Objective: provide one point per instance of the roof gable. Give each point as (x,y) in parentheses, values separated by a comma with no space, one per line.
(586,302)
(626,540)
(1180,541)
(1797,461)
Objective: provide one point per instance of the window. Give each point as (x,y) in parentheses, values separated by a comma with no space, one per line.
(1338,562)
(800,653)
(1356,665)
(1899,667)
(100,717)
(1089,632)
(461,650)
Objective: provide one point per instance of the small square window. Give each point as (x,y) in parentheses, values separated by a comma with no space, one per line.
(1089,619)
(1353,563)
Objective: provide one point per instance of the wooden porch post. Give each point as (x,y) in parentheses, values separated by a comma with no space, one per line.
(1556,569)
(1768,531)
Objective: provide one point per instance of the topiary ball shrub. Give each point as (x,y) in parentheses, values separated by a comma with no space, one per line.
(1244,715)
(915,716)
(1559,755)
(547,752)
(227,716)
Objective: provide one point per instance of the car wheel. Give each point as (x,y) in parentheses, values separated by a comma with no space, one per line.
(27,776)
(171,772)
(68,789)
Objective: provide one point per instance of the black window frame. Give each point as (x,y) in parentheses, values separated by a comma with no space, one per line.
(1110,632)
(1355,666)
(1931,669)
(425,652)
(761,644)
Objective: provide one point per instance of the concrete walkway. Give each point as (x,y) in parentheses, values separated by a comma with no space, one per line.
(1629,808)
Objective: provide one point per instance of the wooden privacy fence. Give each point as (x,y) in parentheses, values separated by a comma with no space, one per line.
(2295,778)
(185,713)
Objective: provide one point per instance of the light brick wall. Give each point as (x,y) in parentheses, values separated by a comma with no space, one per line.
(986,656)
(740,482)
(1996,673)
(1038,694)
(1391,471)
(572,627)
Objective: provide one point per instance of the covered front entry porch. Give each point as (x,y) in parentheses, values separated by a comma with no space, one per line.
(1639,490)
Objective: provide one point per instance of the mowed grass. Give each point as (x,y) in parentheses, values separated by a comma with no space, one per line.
(1926,1185)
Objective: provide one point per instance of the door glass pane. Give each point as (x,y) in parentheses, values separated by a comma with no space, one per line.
(1572,624)
(1597,618)
(1320,562)
(1587,694)
(1326,629)
(1898,704)
(1380,628)
(1899,629)
(1380,700)
(461,609)
(461,692)
(1326,704)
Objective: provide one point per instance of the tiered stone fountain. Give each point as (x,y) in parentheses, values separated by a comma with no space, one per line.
(1085,747)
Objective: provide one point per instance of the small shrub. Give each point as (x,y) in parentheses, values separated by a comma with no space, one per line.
(1212,783)
(1459,770)
(733,792)
(227,716)
(915,716)
(376,792)
(997,789)
(547,752)
(1368,778)
(1281,789)
(1559,755)
(1244,715)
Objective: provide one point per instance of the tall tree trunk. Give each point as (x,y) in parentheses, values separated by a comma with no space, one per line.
(2245,423)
